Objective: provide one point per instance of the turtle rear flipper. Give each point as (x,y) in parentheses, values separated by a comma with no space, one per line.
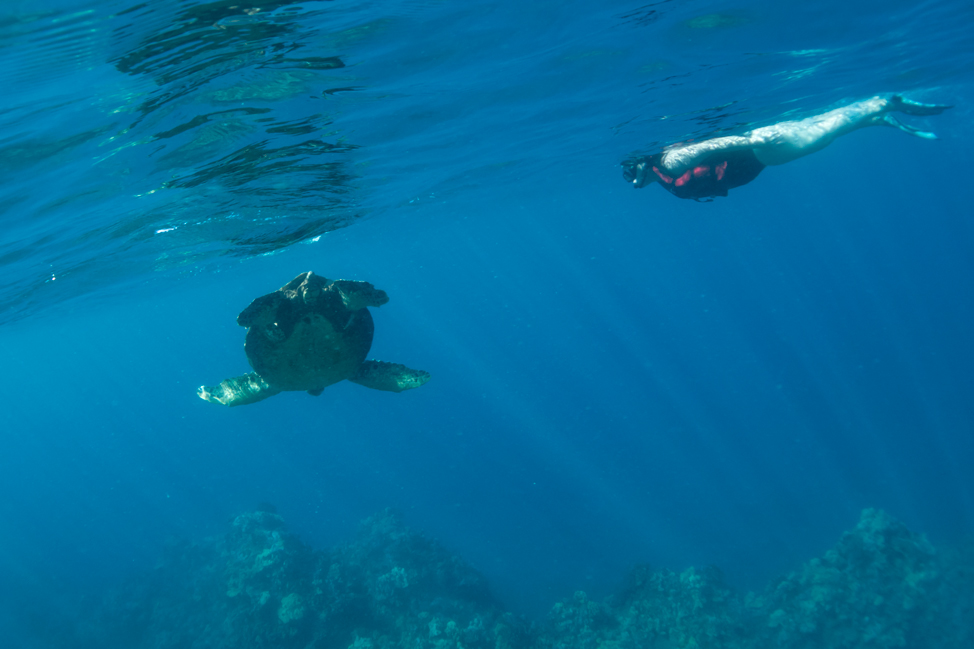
(358,295)
(391,377)
(238,391)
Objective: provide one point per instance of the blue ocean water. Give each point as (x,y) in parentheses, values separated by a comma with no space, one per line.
(618,376)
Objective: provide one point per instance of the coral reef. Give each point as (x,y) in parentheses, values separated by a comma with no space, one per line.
(871,590)
(260,586)
(881,587)
(655,609)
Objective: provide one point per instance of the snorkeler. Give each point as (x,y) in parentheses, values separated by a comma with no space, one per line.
(710,168)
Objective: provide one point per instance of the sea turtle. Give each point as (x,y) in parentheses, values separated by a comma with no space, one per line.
(307,335)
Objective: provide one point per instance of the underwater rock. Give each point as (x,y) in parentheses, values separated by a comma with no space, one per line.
(410,591)
(882,586)
(262,557)
(655,609)
(689,609)
(260,586)
(292,608)
(873,589)
(580,623)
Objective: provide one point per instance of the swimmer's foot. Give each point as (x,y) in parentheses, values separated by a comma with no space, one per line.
(900,104)
(889,120)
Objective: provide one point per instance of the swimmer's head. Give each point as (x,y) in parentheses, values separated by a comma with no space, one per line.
(629,171)
(637,173)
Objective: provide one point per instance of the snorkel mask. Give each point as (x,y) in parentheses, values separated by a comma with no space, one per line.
(629,171)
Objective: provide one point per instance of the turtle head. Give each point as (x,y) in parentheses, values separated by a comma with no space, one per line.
(306,287)
(262,311)
(359,295)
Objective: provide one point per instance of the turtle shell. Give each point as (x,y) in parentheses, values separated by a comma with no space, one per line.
(303,337)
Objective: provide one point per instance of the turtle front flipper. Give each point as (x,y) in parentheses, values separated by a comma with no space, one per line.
(238,391)
(358,295)
(391,377)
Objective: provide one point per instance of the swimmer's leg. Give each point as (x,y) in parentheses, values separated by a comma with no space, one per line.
(787,141)
(889,120)
(783,142)
(900,104)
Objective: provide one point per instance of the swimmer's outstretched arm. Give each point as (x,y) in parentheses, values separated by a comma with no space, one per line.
(787,141)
